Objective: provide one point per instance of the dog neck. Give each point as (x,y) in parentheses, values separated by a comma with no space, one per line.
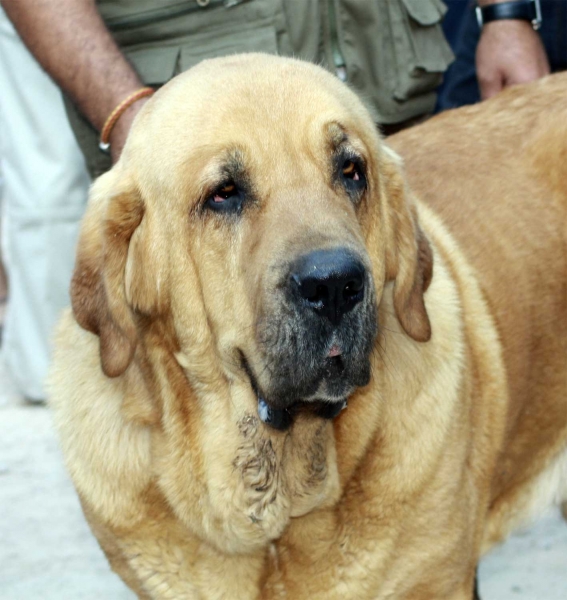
(232,480)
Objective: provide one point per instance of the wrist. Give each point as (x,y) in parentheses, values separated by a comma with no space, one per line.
(120,131)
(122,115)
(123,124)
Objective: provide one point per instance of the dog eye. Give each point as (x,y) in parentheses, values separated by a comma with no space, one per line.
(352,176)
(224,193)
(351,171)
(227,198)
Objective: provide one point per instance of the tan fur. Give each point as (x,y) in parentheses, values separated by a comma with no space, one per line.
(461,433)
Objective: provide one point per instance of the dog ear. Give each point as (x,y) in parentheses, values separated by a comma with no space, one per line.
(98,294)
(409,259)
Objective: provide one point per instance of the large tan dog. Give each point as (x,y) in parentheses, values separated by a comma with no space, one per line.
(255,259)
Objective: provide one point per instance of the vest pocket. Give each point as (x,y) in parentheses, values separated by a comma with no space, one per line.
(423,55)
(211,28)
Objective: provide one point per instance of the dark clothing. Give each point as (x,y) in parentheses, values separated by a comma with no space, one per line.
(461,85)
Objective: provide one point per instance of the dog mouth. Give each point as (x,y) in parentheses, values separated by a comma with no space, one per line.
(281,418)
(308,362)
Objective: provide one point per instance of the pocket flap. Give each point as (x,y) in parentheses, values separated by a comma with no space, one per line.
(255,39)
(426,12)
(157,64)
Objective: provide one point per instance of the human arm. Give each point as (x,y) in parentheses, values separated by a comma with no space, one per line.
(70,40)
(509,52)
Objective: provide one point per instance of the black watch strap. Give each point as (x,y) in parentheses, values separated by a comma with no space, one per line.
(524,10)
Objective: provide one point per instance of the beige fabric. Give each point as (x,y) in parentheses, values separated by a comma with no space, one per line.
(44,193)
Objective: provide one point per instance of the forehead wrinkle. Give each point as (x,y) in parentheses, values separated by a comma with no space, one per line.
(336,135)
(208,162)
(297,152)
(307,137)
(339,139)
(232,162)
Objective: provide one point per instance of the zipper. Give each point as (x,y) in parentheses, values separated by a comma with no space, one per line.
(170,12)
(338,58)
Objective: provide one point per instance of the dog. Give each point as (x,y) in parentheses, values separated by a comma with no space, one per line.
(296,368)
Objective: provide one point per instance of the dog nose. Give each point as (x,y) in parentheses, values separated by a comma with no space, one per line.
(331,282)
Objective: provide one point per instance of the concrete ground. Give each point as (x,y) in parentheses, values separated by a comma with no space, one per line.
(48,553)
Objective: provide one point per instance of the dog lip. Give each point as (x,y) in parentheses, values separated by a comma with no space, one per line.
(329,410)
(278,418)
(245,365)
(281,419)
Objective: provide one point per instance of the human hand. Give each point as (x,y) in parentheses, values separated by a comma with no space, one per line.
(509,52)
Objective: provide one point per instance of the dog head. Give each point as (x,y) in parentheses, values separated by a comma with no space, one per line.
(256,210)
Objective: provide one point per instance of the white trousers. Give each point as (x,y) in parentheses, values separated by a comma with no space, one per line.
(45,185)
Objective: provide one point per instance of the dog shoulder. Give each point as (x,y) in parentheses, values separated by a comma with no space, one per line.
(107,455)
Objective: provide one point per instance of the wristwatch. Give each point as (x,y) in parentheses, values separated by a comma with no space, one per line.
(524,10)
